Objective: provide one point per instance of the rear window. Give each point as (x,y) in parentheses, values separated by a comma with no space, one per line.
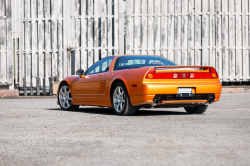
(130,62)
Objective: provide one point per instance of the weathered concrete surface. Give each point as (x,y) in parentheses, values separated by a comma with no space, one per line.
(235,89)
(9,93)
(37,132)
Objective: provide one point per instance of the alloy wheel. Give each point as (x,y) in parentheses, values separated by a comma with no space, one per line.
(119,99)
(65,97)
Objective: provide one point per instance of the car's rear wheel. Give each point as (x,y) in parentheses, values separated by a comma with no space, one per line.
(196,110)
(65,99)
(121,101)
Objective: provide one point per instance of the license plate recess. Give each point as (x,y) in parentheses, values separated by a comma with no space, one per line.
(185,92)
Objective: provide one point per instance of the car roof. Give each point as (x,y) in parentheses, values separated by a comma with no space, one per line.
(136,55)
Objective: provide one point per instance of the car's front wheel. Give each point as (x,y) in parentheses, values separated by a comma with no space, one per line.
(121,101)
(65,99)
(196,110)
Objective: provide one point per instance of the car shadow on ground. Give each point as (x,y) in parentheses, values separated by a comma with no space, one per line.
(109,111)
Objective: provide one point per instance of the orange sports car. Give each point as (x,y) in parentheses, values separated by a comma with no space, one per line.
(128,83)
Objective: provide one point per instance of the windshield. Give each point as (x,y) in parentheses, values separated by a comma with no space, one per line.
(129,62)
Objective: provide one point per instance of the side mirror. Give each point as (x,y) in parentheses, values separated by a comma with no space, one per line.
(80,72)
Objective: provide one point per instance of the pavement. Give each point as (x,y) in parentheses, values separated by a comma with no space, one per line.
(37,132)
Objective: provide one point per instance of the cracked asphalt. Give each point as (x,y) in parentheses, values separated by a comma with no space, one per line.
(38,132)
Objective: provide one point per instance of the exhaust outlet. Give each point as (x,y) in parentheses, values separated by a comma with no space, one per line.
(210,100)
(157,101)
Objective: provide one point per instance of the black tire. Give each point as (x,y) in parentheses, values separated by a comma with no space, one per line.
(71,107)
(196,110)
(128,109)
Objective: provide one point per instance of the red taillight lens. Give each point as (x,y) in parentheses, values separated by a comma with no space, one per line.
(214,73)
(211,74)
(191,75)
(151,73)
(175,75)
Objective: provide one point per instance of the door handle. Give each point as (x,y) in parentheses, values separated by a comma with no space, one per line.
(100,75)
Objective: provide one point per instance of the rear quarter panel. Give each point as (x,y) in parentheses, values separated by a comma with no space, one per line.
(130,77)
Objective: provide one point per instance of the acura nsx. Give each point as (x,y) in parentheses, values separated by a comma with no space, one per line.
(130,82)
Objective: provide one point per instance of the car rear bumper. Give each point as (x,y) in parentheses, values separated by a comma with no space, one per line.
(150,90)
(149,100)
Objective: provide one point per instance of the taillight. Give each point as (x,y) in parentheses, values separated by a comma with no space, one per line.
(214,73)
(178,73)
(191,75)
(175,75)
(211,74)
(151,73)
